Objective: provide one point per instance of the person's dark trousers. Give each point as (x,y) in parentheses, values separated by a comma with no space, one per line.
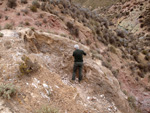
(77,65)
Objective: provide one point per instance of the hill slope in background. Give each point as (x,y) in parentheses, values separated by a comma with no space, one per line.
(116,71)
(97,3)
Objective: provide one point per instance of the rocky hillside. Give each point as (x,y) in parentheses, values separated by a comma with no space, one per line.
(36,57)
(50,84)
(131,16)
(97,3)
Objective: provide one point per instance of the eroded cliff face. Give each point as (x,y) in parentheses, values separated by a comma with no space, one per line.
(99,91)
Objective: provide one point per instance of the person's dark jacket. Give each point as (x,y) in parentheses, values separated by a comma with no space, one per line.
(78,55)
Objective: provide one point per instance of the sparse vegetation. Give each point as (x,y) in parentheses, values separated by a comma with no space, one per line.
(1,16)
(32,28)
(43,6)
(33,8)
(25,11)
(132,104)
(44,21)
(24,1)
(27,23)
(6,17)
(7,91)
(147,18)
(107,65)
(8,26)
(131,101)
(27,67)
(73,29)
(36,4)
(18,14)
(120,33)
(125,92)
(115,72)
(11,3)
(47,109)
(1,34)
(112,49)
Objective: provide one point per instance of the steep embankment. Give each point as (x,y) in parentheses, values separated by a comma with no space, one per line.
(99,92)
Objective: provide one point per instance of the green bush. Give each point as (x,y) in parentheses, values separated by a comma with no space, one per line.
(7,91)
(11,3)
(47,109)
(27,67)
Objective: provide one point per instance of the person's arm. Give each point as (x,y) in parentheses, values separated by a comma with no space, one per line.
(84,53)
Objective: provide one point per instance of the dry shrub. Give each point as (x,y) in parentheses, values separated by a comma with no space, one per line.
(131,101)
(33,8)
(36,3)
(115,72)
(27,67)
(11,3)
(8,26)
(25,11)
(112,49)
(1,34)
(47,109)
(24,1)
(121,33)
(1,16)
(7,91)
(43,6)
(73,29)
(107,65)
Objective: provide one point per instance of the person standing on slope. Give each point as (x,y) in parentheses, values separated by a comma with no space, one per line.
(78,62)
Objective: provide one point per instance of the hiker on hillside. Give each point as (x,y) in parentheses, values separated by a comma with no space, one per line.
(78,62)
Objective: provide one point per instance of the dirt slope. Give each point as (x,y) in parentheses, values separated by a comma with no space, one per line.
(99,92)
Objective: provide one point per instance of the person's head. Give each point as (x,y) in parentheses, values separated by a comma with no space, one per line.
(76,46)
